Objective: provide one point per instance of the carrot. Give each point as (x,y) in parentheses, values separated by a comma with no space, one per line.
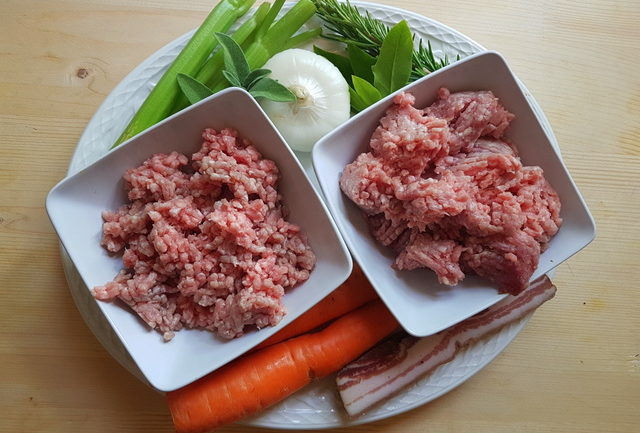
(351,294)
(252,383)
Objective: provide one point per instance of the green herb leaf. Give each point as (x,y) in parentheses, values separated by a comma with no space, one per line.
(357,104)
(193,89)
(255,76)
(271,89)
(367,92)
(361,62)
(393,67)
(234,60)
(341,62)
(231,78)
(214,65)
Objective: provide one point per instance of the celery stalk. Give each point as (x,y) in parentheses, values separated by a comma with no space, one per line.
(273,40)
(302,38)
(270,18)
(162,98)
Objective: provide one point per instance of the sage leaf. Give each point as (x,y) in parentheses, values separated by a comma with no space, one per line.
(234,60)
(393,67)
(231,78)
(193,89)
(255,76)
(271,89)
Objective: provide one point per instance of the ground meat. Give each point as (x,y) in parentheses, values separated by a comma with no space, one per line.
(507,261)
(407,140)
(470,115)
(158,178)
(442,256)
(424,201)
(386,231)
(366,182)
(443,188)
(205,242)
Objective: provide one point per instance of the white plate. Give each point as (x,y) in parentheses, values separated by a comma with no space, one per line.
(317,406)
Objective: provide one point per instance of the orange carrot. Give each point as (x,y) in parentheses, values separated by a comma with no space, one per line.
(353,293)
(252,383)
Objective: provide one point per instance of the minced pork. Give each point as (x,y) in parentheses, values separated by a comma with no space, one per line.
(205,241)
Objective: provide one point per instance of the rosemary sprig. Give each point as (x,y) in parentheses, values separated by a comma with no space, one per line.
(346,24)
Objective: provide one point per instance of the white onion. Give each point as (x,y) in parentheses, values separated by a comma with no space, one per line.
(322,97)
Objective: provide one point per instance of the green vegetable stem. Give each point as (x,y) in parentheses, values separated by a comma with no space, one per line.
(162,99)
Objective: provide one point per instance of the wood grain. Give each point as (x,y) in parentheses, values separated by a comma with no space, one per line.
(576,366)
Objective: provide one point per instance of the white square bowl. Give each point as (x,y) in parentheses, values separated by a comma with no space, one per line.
(422,305)
(76,203)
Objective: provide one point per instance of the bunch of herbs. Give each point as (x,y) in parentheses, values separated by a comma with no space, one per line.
(346,24)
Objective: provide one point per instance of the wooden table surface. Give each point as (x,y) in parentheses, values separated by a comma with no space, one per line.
(576,366)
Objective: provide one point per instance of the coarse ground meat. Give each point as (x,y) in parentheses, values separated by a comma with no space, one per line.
(444,189)
(205,243)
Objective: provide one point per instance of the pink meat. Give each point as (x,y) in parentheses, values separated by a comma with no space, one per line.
(158,178)
(384,230)
(444,189)
(470,115)
(211,249)
(541,205)
(441,256)
(424,201)
(123,224)
(491,163)
(367,184)
(408,140)
(238,166)
(508,261)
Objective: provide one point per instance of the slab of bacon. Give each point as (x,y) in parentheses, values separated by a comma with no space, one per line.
(399,361)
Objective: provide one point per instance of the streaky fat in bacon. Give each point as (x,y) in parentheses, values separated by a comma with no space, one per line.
(402,359)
